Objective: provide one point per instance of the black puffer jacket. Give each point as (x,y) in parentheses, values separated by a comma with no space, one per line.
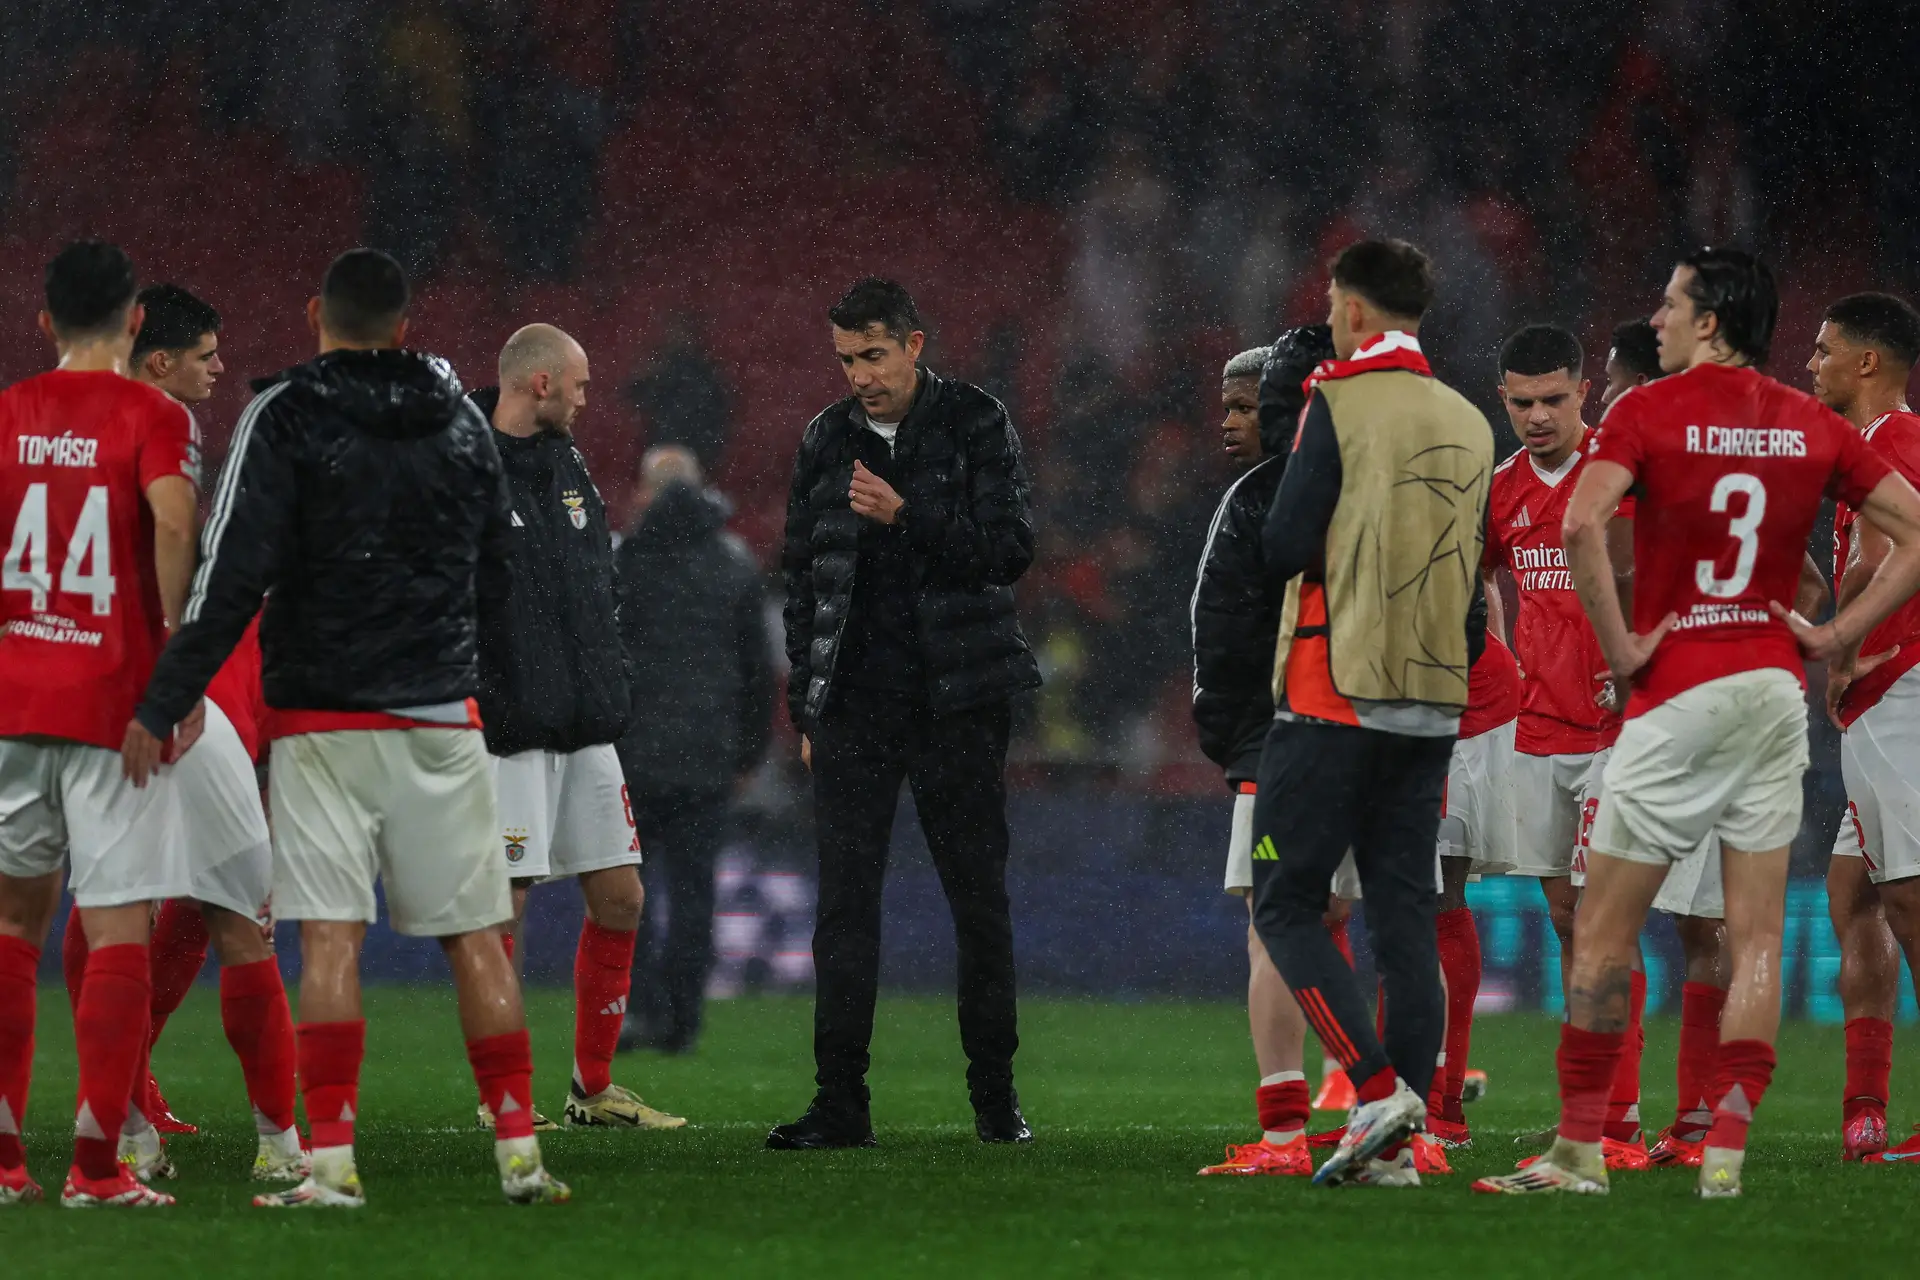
(693,615)
(364,491)
(966,526)
(1235,614)
(552,673)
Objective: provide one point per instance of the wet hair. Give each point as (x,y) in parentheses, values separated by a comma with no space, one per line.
(1636,345)
(1888,324)
(1248,364)
(175,320)
(1541,348)
(1738,289)
(364,296)
(90,285)
(1393,275)
(877,301)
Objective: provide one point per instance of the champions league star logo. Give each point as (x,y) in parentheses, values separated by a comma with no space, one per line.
(516,845)
(576,509)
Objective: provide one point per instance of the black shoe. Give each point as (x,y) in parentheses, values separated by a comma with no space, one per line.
(823,1128)
(1002,1122)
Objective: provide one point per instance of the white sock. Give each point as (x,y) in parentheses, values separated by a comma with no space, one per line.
(507,1150)
(285,1144)
(333,1165)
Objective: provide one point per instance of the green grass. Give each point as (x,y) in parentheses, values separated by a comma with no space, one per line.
(1127,1099)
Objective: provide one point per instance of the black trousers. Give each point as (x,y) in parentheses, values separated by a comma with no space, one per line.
(1325,788)
(863,747)
(680,836)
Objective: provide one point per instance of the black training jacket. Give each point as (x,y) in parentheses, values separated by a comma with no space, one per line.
(363,498)
(1236,626)
(693,615)
(966,526)
(553,675)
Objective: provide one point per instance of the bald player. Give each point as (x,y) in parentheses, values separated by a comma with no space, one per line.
(554,699)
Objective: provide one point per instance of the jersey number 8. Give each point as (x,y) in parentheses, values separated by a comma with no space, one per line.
(89,568)
(1743,528)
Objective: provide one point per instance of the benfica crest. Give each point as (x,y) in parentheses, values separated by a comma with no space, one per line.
(576,509)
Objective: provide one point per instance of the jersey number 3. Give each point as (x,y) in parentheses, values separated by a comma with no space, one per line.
(1743,528)
(89,566)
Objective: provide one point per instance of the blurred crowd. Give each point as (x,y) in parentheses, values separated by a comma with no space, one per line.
(1197,159)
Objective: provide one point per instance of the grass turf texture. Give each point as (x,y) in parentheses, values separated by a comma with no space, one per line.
(1127,1099)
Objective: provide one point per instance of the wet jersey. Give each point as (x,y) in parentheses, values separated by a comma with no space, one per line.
(1729,468)
(80,616)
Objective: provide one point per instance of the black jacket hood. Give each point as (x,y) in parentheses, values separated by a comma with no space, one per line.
(679,516)
(395,394)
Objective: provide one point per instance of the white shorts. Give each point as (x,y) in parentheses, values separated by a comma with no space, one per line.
(1478,823)
(66,802)
(1722,759)
(1849,841)
(1880,760)
(1240,845)
(1548,795)
(219,825)
(1693,886)
(568,814)
(410,808)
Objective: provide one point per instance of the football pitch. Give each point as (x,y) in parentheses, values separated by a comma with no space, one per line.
(1127,1101)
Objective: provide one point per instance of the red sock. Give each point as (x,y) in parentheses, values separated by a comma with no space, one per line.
(73,957)
(503,1068)
(330,1056)
(110,1034)
(1745,1071)
(259,1026)
(1377,1086)
(1869,1063)
(179,950)
(1283,1105)
(507,944)
(1587,1060)
(602,974)
(1700,1007)
(1460,961)
(1623,1104)
(1338,932)
(19,961)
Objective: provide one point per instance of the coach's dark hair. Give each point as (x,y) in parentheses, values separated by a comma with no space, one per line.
(1541,348)
(877,301)
(90,285)
(175,320)
(1636,344)
(1739,290)
(364,296)
(1888,324)
(1393,275)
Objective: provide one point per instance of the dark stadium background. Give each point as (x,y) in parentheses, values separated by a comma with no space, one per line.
(1095,203)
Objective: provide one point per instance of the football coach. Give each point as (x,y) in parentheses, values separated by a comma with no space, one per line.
(907,526)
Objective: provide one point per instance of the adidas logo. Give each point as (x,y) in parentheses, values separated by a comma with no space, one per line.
(1264,851)
(617,1009)
(8,1125)
(1522,520)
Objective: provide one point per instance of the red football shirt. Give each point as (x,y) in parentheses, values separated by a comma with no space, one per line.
(236,689)
(1729,467)
(1560,658)
(1895,437)
(1493,690)
(80,617)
